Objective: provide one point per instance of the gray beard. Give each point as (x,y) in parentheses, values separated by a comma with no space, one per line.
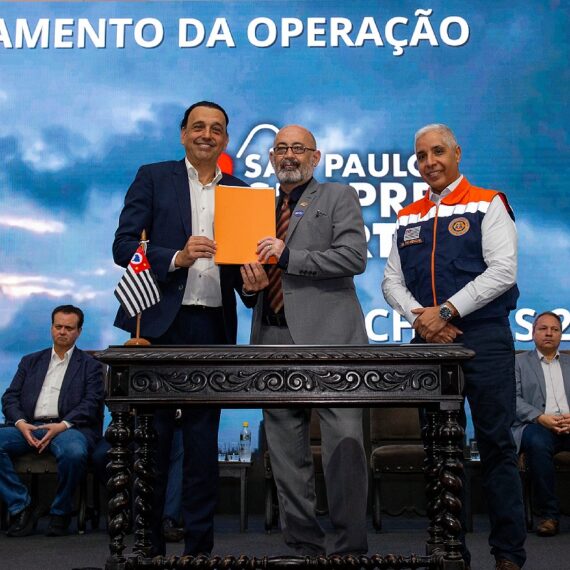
(294,176)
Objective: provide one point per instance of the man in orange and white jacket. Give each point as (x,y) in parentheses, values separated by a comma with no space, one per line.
(452,273)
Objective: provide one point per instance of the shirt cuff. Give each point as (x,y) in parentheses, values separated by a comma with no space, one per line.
(68,424)
(463,302)
(246,294)
(172,267)
(20,420)
(411,317)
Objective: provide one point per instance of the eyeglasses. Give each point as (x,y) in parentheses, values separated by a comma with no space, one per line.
(296,148)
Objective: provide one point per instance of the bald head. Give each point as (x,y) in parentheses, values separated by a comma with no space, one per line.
(298,133)
(294,156)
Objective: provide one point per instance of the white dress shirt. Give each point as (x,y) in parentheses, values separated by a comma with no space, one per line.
(556,399)
(499,246)
(203,283)
(47,403)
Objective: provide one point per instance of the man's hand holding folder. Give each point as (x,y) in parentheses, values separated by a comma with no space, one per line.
(243,216)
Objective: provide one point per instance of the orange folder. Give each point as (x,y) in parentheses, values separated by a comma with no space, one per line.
(242,216)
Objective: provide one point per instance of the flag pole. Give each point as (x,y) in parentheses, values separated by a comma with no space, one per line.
(137,340)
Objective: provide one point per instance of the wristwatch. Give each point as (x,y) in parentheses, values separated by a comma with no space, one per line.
(445,312)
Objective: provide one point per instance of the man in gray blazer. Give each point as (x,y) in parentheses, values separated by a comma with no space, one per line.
(542,426)
(311,299)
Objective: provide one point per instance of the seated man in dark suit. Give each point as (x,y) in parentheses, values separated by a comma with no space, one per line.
(542,426)
(54,403)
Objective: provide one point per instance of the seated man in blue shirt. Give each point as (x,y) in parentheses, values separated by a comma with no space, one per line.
(54,403)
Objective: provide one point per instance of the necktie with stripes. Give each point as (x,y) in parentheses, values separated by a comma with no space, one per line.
(275,289)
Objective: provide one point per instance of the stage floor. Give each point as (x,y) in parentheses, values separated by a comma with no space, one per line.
(402,535)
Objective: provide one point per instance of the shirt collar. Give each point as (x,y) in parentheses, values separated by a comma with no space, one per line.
(543,358)
(66,356)
(438,197)
(296,193)
(193,173)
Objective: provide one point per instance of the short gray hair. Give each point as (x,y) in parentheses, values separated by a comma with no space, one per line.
(447,133)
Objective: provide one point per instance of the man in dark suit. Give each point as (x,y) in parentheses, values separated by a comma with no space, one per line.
(174,202)
(542,426)
(54,402)
(311,299)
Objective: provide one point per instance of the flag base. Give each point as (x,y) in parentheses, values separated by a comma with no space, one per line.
(137,341)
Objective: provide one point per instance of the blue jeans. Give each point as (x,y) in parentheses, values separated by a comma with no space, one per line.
(70,451)
(540,445)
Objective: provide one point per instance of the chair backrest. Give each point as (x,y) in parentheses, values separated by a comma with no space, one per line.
(315,428)
(394,425)
(562,461)
(32,462)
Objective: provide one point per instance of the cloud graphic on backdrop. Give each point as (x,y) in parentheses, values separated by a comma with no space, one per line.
(539,245)
(17,287)
(533,236)
(336,139)
(98,272)
(28,329)
(32,225)
(356,130)
(60,167)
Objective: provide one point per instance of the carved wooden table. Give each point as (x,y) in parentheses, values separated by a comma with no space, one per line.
(142,378)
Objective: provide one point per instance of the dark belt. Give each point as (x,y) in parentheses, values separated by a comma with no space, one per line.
(273,320)
(47,420)
(200,308)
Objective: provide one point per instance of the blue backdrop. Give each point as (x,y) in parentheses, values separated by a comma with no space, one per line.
(90,91)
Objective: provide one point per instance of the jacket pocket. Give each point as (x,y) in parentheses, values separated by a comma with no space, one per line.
(465,269)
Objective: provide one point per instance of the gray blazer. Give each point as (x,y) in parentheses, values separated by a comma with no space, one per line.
(327,248)
(531,389)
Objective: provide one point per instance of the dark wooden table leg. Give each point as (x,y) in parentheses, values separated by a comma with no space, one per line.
(451,440)
(145,437)
(432,466)
(243,500)
(119,435)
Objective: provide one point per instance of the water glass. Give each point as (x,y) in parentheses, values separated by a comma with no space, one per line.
(222,455)
(474,450)
(233,451)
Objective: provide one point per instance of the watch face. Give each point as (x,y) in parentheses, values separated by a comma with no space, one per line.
(445,312)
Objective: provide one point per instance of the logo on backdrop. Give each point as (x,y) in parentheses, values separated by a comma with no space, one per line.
(226,163)
(384,181)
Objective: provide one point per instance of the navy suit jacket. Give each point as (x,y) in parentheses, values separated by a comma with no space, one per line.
(158,201)
(80,399)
